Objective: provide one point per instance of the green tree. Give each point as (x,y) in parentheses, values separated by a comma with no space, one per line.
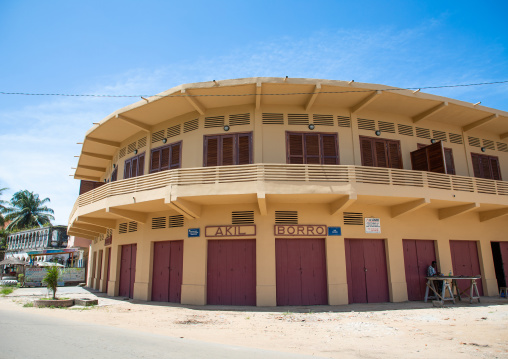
(27,211)
(51,279)
(2,208)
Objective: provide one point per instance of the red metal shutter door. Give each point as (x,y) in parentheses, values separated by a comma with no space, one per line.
(355,267)
(109,268)
(411,270)
(313,271)
(376,275)
(367,148)
(133,269)
(426,254)
(99,265)
(125,271)
(465,262)
(211,151)
(312,149)
(231,272)
(175,271)
(294,142)
(160,274)
(288,281)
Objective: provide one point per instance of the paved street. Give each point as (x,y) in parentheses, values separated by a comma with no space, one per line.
(36,336)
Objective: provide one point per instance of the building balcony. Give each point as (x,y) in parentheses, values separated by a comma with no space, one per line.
(185,190)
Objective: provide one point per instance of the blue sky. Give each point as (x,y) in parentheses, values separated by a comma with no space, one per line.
(143,48)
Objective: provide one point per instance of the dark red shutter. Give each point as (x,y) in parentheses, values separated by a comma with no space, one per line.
(367,148)
(329,150)
(134,167)
(312,147)
(227,150)
(450,163)
(476,164)
(164,158)
(244,152)
(114,175)
(155,162)
(141,164)
(127,169)
(175,155)
(494,167)
(295,148)
(211,151)
(380,154)
(395,159)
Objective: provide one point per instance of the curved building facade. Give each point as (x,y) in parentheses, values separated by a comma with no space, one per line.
(271,191)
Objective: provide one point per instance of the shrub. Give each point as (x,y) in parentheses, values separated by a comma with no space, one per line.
(51,279)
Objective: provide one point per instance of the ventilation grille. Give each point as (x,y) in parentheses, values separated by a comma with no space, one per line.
(405,130)
(142,142)
(439,135)
(474,141)
(298,119)
(157,136)
(217,121)
(121,154)
(423,132)
(322,120)
(455,138)
(286,217)
(101,237)
(176,221)
(131,147)
(353,219)
(503,147)
(109,232)
(159,223)
(344,121)
(122,228)
(386,126)
(489,144)
(240,119)
(366,124)
(133,226)
(273,119)
(190,125)
(174,130)
(242,217)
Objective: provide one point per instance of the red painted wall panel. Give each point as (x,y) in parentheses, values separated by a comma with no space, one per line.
(176,269)
(366,271)
(465,262)
(167,271)
(231,272)
(418,256)
(301,271)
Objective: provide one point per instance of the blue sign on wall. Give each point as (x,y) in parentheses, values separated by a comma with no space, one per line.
(193,232)
(334,231)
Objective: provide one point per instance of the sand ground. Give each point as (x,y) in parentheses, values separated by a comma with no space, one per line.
(386,330)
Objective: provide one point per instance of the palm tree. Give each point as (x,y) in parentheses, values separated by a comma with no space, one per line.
(28,211)
(2,209)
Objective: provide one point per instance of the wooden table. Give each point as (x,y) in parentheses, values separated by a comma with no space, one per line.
(450,286)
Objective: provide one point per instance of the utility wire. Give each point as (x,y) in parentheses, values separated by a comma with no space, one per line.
(252,94)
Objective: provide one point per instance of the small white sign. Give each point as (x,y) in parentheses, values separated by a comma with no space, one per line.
(372,225)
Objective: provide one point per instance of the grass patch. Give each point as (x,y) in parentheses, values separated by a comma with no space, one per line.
(53,299)
(6,290)
(28,305)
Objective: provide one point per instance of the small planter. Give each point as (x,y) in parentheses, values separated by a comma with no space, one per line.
(40,303)
(85,302)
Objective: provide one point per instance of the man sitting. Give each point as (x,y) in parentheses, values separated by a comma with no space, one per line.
(433,272)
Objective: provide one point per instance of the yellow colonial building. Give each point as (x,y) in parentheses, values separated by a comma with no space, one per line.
(273,191)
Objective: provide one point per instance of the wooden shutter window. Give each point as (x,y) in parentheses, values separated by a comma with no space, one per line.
(450,163)
(380,153)
(141,164)
(212,150)
(227,150)
(244,152)
(329,150)
(495,170)
(394,155)
(486,166)
(367,148)
(175,155)
(312,147)
(155,162)
(295,148)
(127,169)
(166,157)
(134,167)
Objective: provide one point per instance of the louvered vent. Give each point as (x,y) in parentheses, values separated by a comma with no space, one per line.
(439,135)
(174,130)
(423,132)
(176,221)
(142,142)
(239,119)
(405,130)
(503,147)
(366,124)
(455,138)
(101,237)
(242,217)
(216,121)
(474,141)
(322,120)
(386,126)
(133,226)
(157,136)
(109,232)
(489,144)
(298,119)
(190,125)
(159,223)
(273,119)
(353,219)
(344,121)
(122,228)
(286,217)
(121,154)
(131,147)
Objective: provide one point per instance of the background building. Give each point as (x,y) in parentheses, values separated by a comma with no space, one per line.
(270,191)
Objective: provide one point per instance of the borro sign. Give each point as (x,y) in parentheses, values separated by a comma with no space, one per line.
(230,231)
(300,230)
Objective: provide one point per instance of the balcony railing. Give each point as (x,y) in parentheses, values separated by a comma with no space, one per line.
(292,173)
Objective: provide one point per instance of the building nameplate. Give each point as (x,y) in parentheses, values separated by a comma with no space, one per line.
(231,231)
(372,225)
(306,230)
(193,232)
